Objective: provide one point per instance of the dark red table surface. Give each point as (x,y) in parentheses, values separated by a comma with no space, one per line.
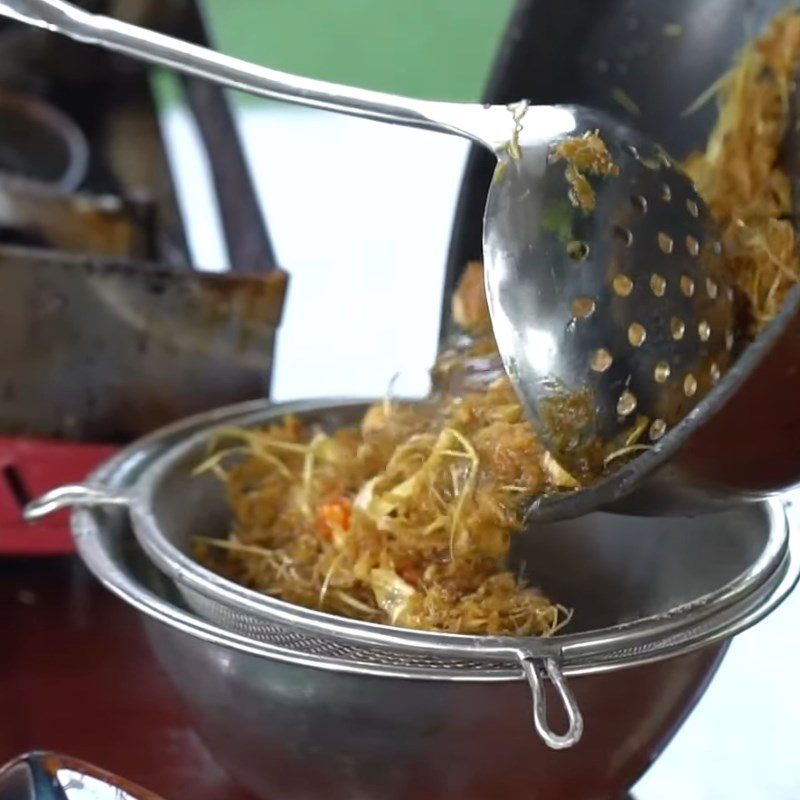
(77,677)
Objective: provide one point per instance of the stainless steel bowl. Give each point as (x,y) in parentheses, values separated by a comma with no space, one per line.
(295,725)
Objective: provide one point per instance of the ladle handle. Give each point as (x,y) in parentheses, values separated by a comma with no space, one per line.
(492,126)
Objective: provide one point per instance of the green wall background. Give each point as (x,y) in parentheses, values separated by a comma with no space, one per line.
(427,48)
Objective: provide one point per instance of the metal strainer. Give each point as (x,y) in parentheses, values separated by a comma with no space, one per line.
(704,587)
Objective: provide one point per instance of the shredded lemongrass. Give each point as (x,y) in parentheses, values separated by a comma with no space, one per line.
(637,431)
(228,544)
(706,96)
(362,608)
(557,473)
(254,438)
(213,462)
(563,618)
(624,100)
(308,469)
(323,590)
(626,451)
(584,155)
(518,111)
(388,397)
(742,174)
(468,486)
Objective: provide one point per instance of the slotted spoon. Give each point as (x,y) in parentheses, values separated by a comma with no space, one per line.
(613,321)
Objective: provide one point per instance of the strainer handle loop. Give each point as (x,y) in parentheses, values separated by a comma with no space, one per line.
(535,671)
(72,495)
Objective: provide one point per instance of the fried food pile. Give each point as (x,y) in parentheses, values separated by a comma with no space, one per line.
(584,155)
(407,519)
(742,175)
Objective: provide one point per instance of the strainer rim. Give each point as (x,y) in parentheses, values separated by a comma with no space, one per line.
(91,540)
(185,571)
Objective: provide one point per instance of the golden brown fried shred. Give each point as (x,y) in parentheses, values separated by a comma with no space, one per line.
(741,175)
(404,521)
(408,519)
(585,155)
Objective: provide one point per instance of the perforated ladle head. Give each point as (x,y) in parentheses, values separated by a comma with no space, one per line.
(613,321)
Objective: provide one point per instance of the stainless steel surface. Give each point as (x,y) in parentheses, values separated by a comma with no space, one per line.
(382,731)
(702,578)
(492,127)
(530,230)
(77,361)
(161,343)
(51,776)
(626,306)
(35,215)
(535,676)
(389,739)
